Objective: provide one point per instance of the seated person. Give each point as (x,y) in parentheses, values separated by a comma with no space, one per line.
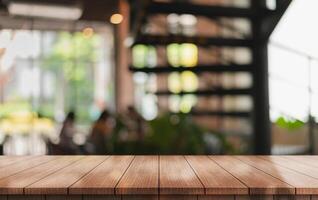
(68,130)
(101,133)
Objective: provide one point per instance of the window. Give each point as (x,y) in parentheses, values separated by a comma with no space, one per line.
(50,73)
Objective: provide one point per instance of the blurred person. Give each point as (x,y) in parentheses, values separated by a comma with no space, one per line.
(68,130)
(136,123)
(101,134)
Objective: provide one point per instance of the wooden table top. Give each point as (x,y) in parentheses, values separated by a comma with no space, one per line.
(164,175)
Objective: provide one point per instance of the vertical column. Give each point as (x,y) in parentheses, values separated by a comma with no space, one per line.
(261,122)
(123,78)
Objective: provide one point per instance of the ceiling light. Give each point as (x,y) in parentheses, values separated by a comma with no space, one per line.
(55,11)
(116,18)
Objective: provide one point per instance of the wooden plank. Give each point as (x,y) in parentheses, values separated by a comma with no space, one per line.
(16,183)
(63,197)
(104,178)
(307,160)
(177,177)
(216,197)
(258,182)
(3,197)
(279,197)
(254,197)
(26,164)
(214,178)
(282,197)
(141,177)
(58,182)
(178,197)
(292,164)
(140,197)
(101,197)
(303,183)
(9,160)
(21,197)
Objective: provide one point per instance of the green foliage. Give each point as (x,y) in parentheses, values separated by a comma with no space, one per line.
(290,124)
(13,107)
(71,58)
(167,134)
(46,110)
(71,53)
(176,133)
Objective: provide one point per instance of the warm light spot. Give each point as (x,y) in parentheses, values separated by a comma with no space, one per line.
(185,54)
(174,83)
(88,32)
(116,18)
(188,55)
(190,81)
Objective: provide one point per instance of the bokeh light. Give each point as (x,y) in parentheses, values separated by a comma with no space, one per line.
(187,103)
(88,32)
(116,18)
(190,82)
(174,83)
(185,55)
(144,56)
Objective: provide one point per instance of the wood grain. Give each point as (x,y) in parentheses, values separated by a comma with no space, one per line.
(293,164)
(142,177)
(101,197)
(22,197)
(9,160)
(216,197)
(178,197)
(254,197)
(257,181)
(303,183)
(58,182)
(26,164)
(177,177)
(16,183)
(140,197)
(63,197)
(307,160)
(298,197)
(104,178)
(214,178)
(159,177)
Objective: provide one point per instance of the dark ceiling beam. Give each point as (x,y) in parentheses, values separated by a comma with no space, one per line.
(199,10)
(97,10)
(214,92)
(270,22)
(198,40)
(197,69)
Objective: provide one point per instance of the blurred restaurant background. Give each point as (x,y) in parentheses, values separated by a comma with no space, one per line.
(158,77)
